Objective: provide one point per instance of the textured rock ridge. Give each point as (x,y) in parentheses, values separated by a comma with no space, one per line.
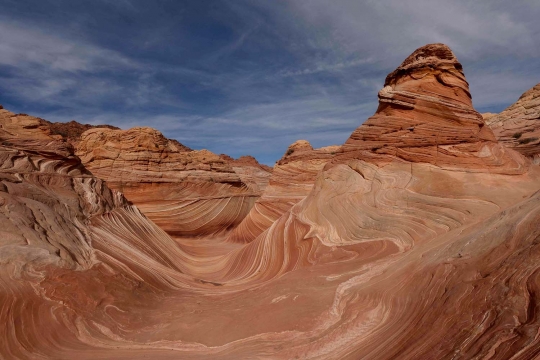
(187,193)
(292,179)
(52,278)
(143,154)
(425,114)
(518,126)
(71,131)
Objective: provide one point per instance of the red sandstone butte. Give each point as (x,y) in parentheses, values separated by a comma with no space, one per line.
(425,114)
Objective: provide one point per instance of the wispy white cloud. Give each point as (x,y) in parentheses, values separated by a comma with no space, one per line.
(21,45)
(328,67)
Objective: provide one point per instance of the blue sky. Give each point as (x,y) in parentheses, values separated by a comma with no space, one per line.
(249,77)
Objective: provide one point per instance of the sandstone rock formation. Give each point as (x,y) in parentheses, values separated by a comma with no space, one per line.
(426,248)
(187,193)
(71,131)
(518,126)
(292,179)
(52,275)
(425,114)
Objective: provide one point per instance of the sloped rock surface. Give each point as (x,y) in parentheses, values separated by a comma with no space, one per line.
(427,249)
(518,126)
(292,179)
(187,193)
(52,277)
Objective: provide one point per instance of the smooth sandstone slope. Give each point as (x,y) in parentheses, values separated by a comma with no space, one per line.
(518,126)
(187,193)
(292,179)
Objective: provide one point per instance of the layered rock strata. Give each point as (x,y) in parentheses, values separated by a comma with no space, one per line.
(518,126)
(292,179)
(57,269)
(425,115)
(426,250)
(187,193)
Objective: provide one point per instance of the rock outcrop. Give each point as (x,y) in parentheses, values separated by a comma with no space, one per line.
(292,179)
(425,114)
(72,131)
(60,268)
(187,193)
(518,126)
(426,248)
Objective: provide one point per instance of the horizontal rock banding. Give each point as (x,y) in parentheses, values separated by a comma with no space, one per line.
(425,114)
(187,193)
(518,126)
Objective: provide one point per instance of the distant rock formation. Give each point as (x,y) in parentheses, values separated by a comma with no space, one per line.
(518,126)
(292,179)
(187,193)
(71,131)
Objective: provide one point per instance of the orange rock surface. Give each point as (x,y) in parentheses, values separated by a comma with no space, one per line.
(187,193)
(72,131)
(426,248)
(518,126)
(425,114)
(292,179)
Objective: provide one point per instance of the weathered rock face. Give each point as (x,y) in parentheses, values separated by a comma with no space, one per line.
(52,277)
(187,193)
(292,179)
(71,131)
(518,126)
(425,115)
(379,247)
(143,154)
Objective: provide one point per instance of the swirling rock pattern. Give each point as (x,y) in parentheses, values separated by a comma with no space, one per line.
(292,179)
(424,250)
(518,126)
(187,193)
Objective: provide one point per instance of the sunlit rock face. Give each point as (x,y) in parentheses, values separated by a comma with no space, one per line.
(425,114)
(72,131)
(420,249)
(292,179)
(185,192)
(518,126)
